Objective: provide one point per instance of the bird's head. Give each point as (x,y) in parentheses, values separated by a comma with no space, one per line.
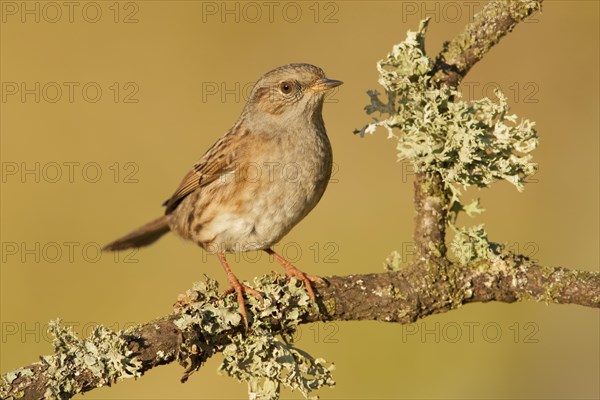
(289,93)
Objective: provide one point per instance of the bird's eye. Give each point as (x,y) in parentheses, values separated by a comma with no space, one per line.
(286,87)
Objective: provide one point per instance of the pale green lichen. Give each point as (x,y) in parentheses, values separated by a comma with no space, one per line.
(7,390)
(256,356)
(392,262)
(471,244)
(329,305)
(105,354)
(468,143)
(12,375)
(267,363)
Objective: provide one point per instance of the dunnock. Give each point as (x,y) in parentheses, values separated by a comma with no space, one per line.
(258,180)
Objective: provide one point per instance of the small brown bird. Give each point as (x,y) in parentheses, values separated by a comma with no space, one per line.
(258,180)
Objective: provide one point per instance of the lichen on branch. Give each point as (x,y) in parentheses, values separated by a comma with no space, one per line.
(104,355)
(263,358)
(468,143)
(208,323)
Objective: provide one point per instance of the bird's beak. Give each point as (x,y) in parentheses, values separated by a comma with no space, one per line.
(324,84)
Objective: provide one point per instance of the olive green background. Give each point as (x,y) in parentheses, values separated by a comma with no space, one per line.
(172,57)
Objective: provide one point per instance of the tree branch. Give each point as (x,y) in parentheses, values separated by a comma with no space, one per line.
(496,20)
(401,297)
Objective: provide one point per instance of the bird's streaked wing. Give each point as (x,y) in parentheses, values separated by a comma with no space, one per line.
(216,162)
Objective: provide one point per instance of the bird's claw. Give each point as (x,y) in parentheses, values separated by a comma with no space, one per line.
(307,279)
(239,289)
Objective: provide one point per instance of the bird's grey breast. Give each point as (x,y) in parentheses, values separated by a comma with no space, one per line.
(295,179)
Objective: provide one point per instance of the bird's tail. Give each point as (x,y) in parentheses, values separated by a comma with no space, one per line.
(142,236)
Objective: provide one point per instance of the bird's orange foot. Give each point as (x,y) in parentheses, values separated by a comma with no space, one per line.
(239,289)
(307,279)
(293,272)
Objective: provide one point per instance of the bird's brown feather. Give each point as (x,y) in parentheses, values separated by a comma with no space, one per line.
(216,162)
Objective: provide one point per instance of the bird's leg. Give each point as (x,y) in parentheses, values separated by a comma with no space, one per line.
(238,288)
(292,271)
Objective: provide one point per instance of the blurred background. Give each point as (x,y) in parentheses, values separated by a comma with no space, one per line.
(106,105)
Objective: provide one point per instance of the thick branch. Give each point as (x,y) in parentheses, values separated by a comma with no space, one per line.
(402,297)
